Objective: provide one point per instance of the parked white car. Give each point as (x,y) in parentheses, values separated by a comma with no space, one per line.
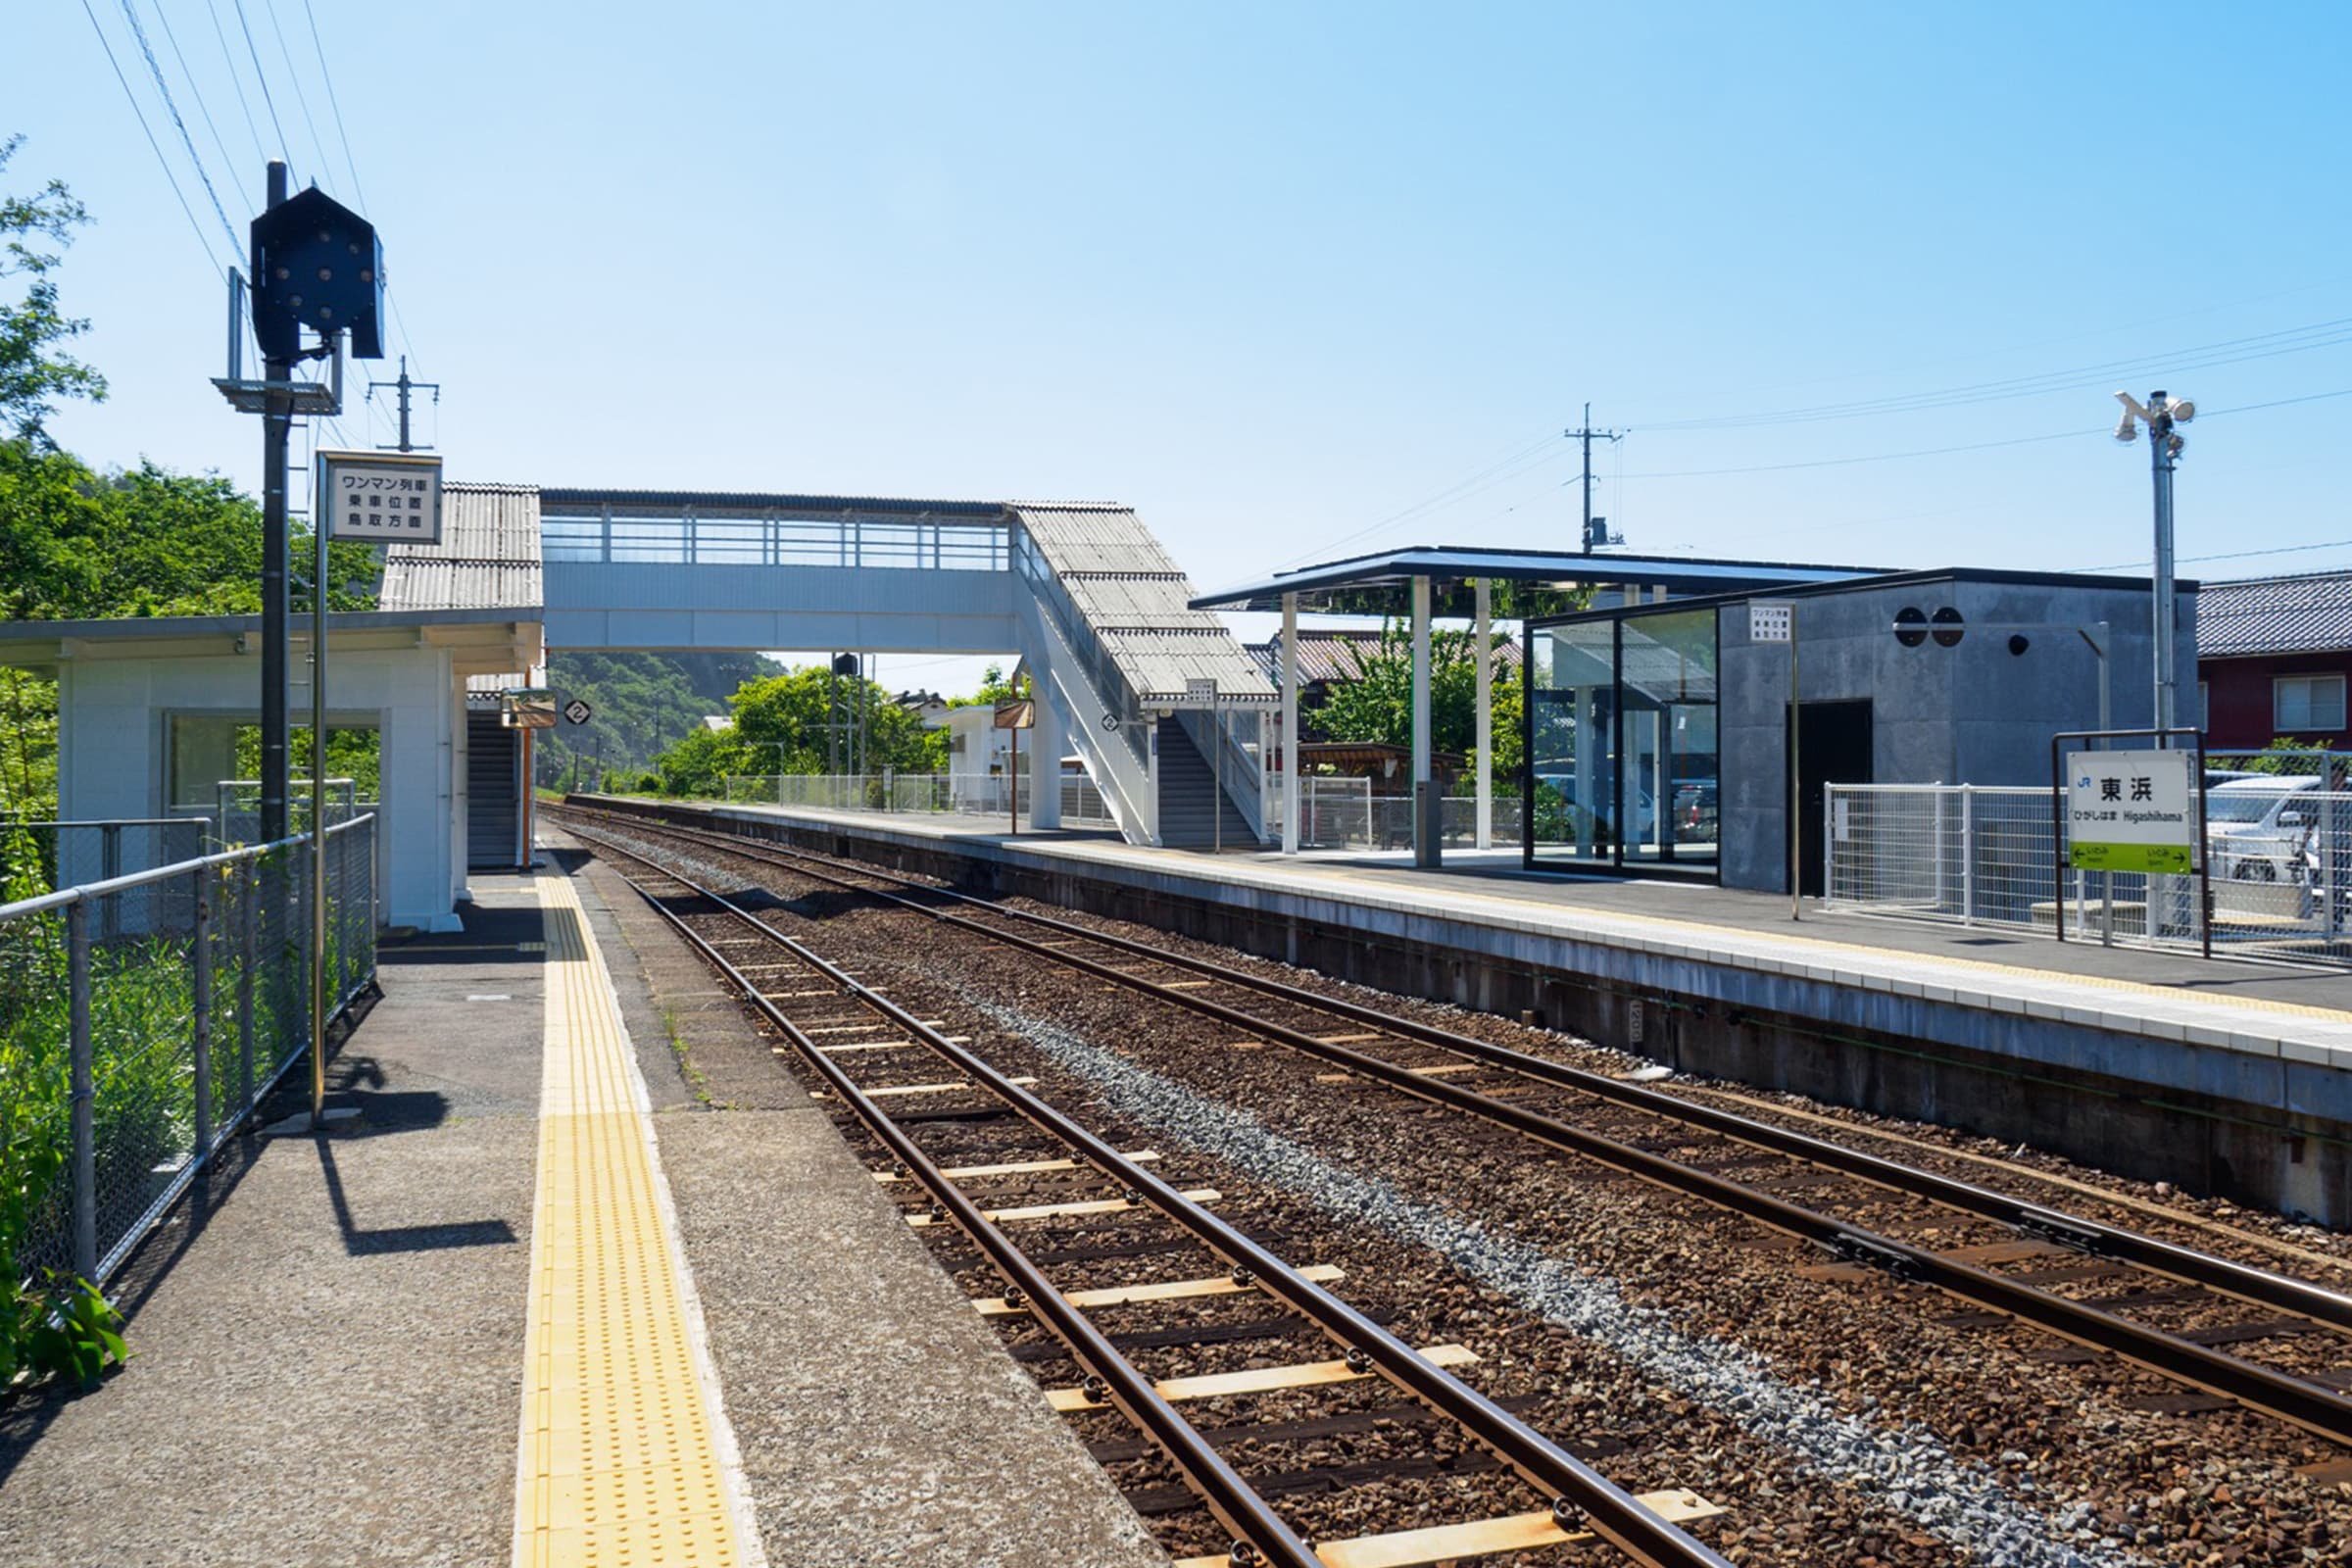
(2258,830)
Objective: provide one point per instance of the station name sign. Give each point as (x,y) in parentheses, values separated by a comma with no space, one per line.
(2131,812)
(381,497)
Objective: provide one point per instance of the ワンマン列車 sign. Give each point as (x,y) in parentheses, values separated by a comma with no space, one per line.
(381,497)
(2131,812)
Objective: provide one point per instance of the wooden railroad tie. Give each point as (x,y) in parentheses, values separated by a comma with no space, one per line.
(893,1091)
(1519,1532)
(1441,1070)
(1091,1205)
(1163,1291)
(1018,1167)
(1301,1375)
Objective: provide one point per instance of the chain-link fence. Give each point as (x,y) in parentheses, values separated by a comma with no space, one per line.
(72,854)
(141,1021)
(2279,850)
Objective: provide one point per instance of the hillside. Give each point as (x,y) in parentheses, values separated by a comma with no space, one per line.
(644,703)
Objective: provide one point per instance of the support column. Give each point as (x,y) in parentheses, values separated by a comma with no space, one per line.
(1292,782)
(1425,804)
(1048,741)
(1481,648)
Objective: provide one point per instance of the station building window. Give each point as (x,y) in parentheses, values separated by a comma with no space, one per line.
(1622,752)
(2300,704)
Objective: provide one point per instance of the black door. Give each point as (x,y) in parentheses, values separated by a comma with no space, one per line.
(1833,748)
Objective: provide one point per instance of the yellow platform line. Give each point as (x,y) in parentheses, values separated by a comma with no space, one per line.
(625,1454)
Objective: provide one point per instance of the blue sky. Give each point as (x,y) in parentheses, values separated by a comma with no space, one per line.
(1279,275)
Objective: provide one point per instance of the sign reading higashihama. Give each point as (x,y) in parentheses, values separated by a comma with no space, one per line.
(2131,812)
(381,497)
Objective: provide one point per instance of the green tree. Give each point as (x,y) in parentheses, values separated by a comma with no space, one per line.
(33,373)
(995,687)
(1377,706)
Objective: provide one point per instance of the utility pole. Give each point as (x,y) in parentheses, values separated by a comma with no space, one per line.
(1588,435)
(403,386)
(277,423)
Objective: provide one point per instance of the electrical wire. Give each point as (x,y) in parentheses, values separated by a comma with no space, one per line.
(171,107)
(2231,351)
(162,162)
(284,150)
(196,91)
(236,82)
(294,80)
(334,103)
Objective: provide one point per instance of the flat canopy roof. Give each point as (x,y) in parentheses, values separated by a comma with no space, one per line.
(508,636)
(1367,583)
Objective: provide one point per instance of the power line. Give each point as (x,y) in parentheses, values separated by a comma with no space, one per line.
(334,103)
(294,78)
(236,82)
(261,76)
(156,69)
(196,91)
(2266,345)
(158,147)
(1877,456)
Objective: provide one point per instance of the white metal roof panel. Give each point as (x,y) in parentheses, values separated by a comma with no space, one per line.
(488,556)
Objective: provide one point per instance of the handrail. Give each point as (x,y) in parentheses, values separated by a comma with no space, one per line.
(92,890)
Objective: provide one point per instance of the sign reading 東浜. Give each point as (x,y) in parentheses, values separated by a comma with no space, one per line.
(381,497)
(2131,812)
(1770,622)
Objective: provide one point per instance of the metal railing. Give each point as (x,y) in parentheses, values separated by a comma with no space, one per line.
(777,538)
(143,1019)
(1082,804)
(1344,813)
(2279,850)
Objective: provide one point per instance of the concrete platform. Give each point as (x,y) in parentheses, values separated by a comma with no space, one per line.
(2225,1077)
(329,1342)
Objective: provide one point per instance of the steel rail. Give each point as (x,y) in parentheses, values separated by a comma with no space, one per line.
(2306,1404)
(2094,1237)
(1578,1491)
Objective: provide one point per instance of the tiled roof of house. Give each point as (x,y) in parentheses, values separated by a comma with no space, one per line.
(2311,613)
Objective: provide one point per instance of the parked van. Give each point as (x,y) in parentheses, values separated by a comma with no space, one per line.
(2256,828)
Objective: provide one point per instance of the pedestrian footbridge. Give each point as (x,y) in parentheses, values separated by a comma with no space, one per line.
(1143,688)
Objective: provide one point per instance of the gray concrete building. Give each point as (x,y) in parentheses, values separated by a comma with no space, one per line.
(1657,734)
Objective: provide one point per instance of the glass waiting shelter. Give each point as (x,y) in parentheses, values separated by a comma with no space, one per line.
(1622,760)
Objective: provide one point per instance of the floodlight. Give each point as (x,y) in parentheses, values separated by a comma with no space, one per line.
(2182,411)
(2125,430)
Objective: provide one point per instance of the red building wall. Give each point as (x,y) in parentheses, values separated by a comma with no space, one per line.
(2238,697)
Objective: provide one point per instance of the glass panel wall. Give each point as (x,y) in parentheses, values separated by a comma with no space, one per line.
(1622,760)
(1571,761)
(1667,666)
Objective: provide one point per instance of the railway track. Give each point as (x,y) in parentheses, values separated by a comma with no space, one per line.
(1022,1167)
(2028,1256)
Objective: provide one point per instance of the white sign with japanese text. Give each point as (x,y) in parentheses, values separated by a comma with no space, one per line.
(2131,812)
(381,497)
(1770,623)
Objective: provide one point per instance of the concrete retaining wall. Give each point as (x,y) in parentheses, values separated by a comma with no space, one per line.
(2259,1128)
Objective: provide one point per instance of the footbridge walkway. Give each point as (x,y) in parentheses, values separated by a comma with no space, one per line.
(1146,689)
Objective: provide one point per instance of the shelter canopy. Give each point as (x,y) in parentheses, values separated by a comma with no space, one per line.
(1530,582)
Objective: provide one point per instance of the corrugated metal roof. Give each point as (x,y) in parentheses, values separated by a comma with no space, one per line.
(1135,598)
(488,556)
(2310,612)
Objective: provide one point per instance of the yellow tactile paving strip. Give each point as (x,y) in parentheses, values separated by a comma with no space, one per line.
(621,1462)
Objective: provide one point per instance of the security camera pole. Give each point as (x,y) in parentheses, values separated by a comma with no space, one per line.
(2162,412)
